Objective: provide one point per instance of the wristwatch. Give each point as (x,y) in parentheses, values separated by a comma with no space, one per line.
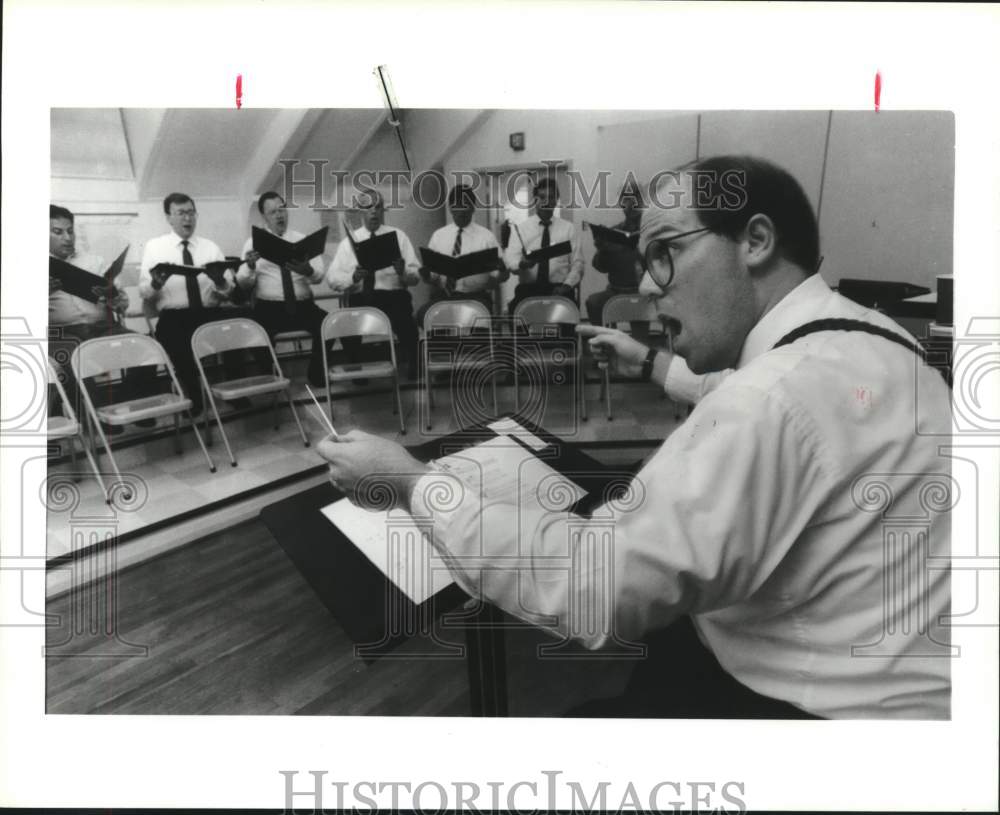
(647,365)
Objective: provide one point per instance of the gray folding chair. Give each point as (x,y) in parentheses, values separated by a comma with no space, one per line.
(68,426)
(455,321)
(103,355)
(535,319)
(232,335)
(630,308)
(370,323)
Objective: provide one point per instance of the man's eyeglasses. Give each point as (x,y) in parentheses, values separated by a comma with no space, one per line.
(185,213)
(659,259)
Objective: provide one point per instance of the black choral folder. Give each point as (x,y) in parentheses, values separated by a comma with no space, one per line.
(554,251)
(215,269)
(81,283)
(455,268)
(359,596)
(279,251)
(376,252)
(619,237)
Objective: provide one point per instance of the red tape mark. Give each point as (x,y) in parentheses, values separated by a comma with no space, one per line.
(239,92)
(878,90)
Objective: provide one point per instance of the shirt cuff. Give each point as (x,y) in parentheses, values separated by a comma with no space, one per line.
(680,384)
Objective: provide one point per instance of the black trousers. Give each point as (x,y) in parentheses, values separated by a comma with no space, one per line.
(398,307)
(682,679)
(174,330)
(274,316)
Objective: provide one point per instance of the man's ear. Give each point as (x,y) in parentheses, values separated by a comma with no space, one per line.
(760,241)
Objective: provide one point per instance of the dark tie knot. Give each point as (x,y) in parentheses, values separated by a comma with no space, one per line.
(546,224)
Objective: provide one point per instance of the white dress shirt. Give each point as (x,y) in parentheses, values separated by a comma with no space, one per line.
(340,275)
(68,309)
(168,249)
(475,238)
(567,269)
(764,516)
(267,275)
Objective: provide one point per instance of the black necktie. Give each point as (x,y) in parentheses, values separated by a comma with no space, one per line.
(457,248)
(191,280)
(288,291)
(369,285)
(543,266)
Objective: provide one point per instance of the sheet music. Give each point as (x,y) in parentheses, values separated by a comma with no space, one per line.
(393,541)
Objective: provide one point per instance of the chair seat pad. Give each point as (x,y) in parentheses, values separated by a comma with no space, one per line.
(60,427)
(248,386)
(362,370)
(148,407)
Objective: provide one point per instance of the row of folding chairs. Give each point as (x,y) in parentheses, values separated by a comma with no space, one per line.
(534,319)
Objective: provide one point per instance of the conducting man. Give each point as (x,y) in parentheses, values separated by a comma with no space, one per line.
(757,544)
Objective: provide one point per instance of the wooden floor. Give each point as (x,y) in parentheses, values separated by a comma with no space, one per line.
(226,625)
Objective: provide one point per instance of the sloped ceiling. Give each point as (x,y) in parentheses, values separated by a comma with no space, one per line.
(204,152)
(89,143)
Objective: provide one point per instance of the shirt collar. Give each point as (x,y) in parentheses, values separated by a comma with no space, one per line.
(807,301)
(192,241)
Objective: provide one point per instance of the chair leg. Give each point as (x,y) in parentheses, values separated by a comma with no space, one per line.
(93,466)
(177,434)
(399,406)
(72,457)
(114,464)
(295,415)
(197,435)
(580,382)
(606,387)
(222,432)
(205,426)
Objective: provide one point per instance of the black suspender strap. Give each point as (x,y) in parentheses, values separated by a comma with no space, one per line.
(842,324)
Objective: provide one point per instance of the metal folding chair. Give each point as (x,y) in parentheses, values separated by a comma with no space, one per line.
(629,308)
(366,322)
(455,322)
(232,335)
(68,426)
(103,355)
(536,319)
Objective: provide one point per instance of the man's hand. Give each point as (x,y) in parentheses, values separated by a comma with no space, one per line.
(120,302)
(615,348)
(55,284)
(385,472)
(157,277)
(299,267)
(523,266)
(562,290)
(251,259)
(425,274)
(359,274)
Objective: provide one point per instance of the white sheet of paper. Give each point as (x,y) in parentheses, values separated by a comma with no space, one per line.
(392,541)
(508,427)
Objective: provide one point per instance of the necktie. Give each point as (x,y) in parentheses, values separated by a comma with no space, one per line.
(369,285)
(288,291)
(543,266)
(456,250)
(191,280)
